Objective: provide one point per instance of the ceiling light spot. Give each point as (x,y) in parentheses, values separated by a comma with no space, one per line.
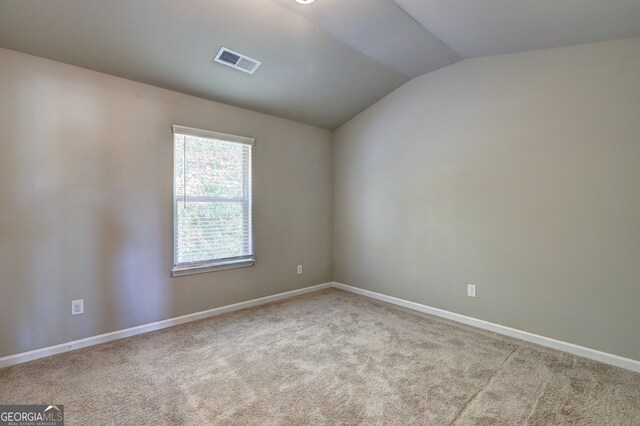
(305,1)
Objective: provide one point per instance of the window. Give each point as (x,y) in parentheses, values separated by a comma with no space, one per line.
(212,201)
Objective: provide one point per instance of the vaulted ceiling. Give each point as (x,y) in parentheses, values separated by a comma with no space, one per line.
(322,63)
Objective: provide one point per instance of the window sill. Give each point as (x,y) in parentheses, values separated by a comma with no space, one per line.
(181,271)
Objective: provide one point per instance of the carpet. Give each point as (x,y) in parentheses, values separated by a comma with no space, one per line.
(328,357)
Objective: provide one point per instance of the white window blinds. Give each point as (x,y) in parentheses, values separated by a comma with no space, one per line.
(212,201)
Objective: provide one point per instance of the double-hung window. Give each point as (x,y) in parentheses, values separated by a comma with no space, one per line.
(212,201)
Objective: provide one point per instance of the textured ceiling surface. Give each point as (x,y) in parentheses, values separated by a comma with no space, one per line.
(322,63)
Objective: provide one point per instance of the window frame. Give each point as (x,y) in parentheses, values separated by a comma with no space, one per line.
(212,265)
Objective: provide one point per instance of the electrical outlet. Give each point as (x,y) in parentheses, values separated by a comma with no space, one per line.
(299,269)
(77,307)
(471,290)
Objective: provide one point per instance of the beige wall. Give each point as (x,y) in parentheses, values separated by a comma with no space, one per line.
(518,173)
(86,211)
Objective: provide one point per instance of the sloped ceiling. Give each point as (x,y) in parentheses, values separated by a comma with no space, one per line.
(379,29)
(322,63)
(490,27)
(306,75)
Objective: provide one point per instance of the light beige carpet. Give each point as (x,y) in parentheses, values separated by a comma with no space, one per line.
(325,358)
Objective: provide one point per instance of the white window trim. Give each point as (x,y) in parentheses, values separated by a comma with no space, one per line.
(181,271)
(216,265)
(190,131)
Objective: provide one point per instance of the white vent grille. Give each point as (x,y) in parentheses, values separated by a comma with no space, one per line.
(237,60)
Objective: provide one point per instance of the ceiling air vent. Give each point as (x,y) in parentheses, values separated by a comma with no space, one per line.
(237,60)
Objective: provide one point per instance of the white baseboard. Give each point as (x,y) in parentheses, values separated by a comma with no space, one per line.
(120,334)
(582,351)
(607,358)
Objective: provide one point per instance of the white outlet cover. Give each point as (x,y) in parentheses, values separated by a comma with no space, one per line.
(471,290)
(299,269)
(77,307)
